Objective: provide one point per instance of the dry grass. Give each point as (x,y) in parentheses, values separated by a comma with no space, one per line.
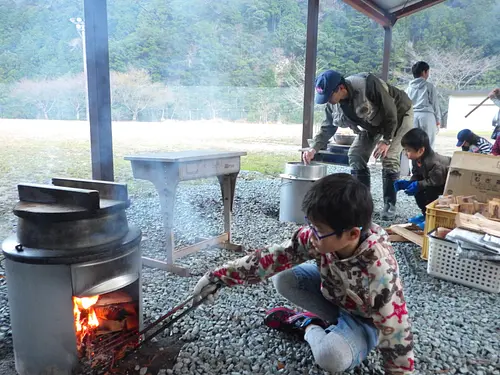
(36,150)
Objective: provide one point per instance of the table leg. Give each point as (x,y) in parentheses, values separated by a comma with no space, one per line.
(228,183)
(166,191)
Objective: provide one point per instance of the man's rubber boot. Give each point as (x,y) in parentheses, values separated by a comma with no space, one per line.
(389,211)
(362,175)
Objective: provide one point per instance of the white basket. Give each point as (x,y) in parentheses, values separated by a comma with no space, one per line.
(444,263)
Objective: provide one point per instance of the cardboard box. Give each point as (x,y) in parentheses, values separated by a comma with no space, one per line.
(474,174)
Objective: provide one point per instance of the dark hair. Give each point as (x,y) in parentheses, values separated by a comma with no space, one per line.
(419,68)
(342,82)
(340,201)
(415,139)
(472,138)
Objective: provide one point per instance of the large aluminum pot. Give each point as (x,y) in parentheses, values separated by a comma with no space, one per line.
(313,171)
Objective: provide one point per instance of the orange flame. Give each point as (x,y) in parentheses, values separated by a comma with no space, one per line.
(85,317)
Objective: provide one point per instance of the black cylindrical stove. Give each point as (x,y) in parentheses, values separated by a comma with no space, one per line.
(72,240)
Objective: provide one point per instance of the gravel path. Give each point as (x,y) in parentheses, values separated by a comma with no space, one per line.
(457,329)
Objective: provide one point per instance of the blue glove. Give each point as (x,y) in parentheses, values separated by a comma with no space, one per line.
(412,189)
(401,184)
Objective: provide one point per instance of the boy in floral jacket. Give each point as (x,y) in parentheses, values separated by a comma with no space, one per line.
(352,294)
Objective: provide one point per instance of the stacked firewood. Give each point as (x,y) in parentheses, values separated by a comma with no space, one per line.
(470,205)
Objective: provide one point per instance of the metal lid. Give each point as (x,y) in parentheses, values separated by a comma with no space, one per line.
(70,199)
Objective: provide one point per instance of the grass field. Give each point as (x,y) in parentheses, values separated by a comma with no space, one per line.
(37,150)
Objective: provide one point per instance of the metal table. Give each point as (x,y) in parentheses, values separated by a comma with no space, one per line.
(165,171)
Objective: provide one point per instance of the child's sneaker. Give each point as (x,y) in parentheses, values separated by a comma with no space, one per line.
(290,321)
(416,219)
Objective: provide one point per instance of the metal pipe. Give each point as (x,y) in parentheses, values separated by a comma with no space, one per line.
(99,105)
(387,52)
(310,70)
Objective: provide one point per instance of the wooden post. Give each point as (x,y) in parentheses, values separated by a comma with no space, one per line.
(387,52)
(310,70)
(99,98)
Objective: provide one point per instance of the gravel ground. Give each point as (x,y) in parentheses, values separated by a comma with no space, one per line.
(456,328)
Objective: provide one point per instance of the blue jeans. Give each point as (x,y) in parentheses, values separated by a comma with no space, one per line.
(344,344)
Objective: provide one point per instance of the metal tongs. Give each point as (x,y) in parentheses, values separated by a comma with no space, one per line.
(154,329)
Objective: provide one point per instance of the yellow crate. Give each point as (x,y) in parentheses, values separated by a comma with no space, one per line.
(435,218)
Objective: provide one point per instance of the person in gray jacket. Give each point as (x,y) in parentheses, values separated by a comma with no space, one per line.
(380,114)
(423,94)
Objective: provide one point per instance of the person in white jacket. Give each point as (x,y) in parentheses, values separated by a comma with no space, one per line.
(423,94)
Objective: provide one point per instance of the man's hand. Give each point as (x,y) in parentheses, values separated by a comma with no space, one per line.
(438,124)
(381,150)
(495,93)
(308,155)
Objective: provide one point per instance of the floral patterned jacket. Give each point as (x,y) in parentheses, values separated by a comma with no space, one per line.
(367,284)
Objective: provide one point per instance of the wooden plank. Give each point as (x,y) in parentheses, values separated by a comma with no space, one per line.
(398,238)
(477,224)
(403,231)
(160,265)
(179,253)
(224,245)
(231,246)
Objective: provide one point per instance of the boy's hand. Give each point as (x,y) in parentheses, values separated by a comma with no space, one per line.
(205,288)
(412,189)
(401,185)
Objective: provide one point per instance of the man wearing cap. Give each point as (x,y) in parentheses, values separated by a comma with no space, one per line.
(380,114)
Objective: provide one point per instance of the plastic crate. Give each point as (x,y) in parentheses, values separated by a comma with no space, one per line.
(444,263)
(435,218)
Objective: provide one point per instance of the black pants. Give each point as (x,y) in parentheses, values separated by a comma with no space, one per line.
(428,195)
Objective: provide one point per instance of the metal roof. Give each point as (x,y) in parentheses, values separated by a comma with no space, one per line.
(387,12)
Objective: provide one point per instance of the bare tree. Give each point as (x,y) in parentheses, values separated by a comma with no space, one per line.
(43,94)
(294,79)
(72,89)
(133,90)
(451,70)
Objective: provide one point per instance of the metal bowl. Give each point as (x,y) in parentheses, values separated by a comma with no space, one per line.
(344,139)
(311,171)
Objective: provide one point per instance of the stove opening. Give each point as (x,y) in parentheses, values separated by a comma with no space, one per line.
(106,326)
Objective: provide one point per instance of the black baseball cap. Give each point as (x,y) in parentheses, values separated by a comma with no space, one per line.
(326,83)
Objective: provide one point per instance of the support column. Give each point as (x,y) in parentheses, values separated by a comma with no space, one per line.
(310,70)
(387,52)
(99,97)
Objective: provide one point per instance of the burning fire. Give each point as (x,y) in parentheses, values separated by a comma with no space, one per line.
(85,317)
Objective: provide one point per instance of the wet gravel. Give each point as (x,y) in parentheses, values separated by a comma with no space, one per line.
(456,328)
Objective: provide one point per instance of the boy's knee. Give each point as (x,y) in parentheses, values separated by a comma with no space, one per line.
(333,362)
(283,282)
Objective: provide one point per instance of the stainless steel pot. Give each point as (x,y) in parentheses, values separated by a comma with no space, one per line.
(344,139)
(313,171)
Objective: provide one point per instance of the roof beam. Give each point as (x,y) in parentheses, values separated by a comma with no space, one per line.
(373,11)
(409,10)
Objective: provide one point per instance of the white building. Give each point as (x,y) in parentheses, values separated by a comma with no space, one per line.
(462,102)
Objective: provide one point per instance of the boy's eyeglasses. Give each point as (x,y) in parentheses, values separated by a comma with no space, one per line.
(315,231)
